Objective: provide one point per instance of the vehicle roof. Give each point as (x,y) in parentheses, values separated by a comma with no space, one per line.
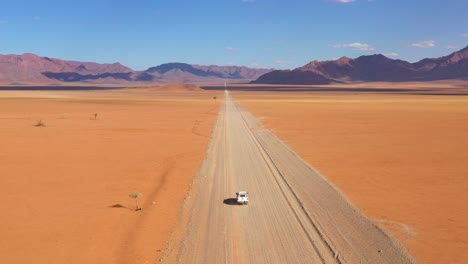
(243,192)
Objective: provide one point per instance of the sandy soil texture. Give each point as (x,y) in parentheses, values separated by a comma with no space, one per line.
(294,215)
(65,186)
(402,159)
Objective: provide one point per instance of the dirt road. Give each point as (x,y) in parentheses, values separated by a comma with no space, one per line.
(294,215)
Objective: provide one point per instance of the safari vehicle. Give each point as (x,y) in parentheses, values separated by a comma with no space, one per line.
(242,197)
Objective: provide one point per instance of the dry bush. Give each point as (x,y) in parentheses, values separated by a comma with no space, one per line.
(40,123)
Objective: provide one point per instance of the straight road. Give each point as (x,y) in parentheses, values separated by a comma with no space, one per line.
(294,215)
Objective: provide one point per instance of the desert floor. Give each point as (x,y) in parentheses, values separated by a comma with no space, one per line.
(65,186)
(402,159)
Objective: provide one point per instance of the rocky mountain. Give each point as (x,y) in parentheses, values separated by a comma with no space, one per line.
(373,68)
(182,72)
(31,68)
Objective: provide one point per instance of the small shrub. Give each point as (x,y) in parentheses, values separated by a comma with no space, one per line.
(40,123)
(135,195)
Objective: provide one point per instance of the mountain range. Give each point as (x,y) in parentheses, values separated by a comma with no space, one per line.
(33,69)
(372,68)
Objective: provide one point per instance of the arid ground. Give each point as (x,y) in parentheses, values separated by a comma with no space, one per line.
(65,186)
(401,159)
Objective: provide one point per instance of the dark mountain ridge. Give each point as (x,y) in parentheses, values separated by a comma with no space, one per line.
(164,68)
(373,68)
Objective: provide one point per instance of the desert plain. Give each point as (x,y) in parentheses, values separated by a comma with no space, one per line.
(400,158)
(65,186)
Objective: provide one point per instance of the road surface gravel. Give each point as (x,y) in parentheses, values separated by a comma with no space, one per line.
(294,214)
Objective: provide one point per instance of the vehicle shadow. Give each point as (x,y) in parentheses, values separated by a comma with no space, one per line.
(121,206)
(230,201)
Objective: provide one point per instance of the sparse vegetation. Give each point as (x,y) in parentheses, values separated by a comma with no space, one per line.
(135,195)
(95,116)
(214,97)
(40,123)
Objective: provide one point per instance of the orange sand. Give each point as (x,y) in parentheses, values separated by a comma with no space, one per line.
(402,159)
(65,186)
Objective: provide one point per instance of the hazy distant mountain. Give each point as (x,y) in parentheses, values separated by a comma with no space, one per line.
(30,68)
(373,68)
(292,77)
(182,72)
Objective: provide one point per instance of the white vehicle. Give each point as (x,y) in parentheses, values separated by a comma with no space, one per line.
(242,197)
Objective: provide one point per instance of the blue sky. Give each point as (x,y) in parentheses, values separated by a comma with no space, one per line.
(254,33)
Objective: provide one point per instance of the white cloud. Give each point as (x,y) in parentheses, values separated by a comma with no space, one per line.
(254,64)
(391,54)
(232,48)
(36,18)
(355,46)
(452,47)
(341,1)
(424,44)
(465,35)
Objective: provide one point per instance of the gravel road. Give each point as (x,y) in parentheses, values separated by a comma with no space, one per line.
(294,214)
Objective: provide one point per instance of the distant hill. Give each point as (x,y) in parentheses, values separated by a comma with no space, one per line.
(292,77)
(31,68)
(373,68)
(182,72)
